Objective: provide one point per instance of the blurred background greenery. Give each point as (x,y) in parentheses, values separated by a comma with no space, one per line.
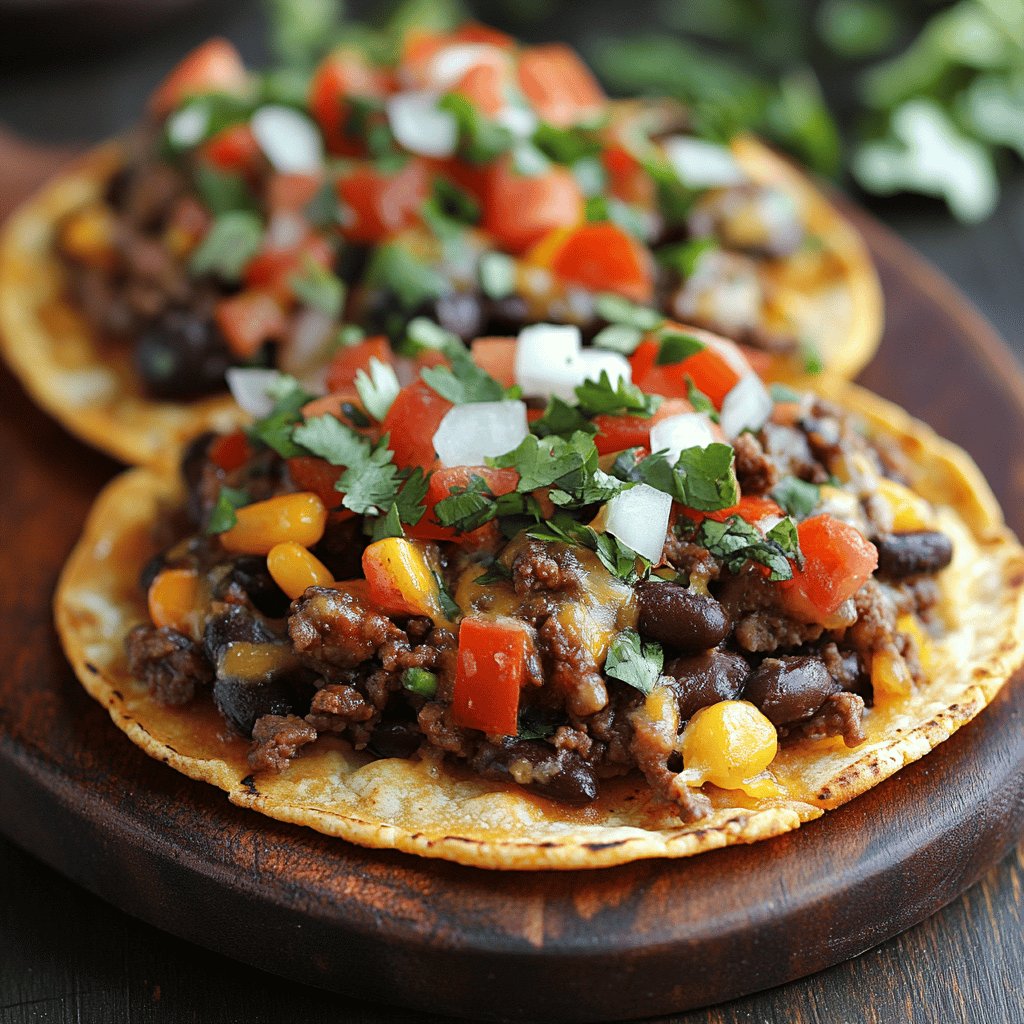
(901,95)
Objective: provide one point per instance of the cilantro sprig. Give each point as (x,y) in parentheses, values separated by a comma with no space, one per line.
(701,478)
(618,558)
(737,542)
(223,514)
(634,661)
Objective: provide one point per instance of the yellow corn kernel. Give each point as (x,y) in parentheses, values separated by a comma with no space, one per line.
(728,744)
(299,517)
(173,600)
(401,578)
(295,570)
(88,235)
(890,677)
(909,512)
(908,623)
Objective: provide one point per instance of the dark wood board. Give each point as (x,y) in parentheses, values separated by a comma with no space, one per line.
(643,939)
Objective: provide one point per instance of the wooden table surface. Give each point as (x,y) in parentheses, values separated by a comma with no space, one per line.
(67,956)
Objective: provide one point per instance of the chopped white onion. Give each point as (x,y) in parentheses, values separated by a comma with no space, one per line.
(187,126)
(449,64)
(519,120)
(700,164)
(250,388)
(639,518)
(470,433)
(676,433)
(289,139)
(420,126)
(546,356)
(311,333)
(746,407)
(377,389)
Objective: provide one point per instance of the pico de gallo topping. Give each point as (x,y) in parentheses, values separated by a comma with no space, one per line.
(547,573)
(458,176)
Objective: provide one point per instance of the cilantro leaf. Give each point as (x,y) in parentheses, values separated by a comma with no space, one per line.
(222,516)
(619,338)
(396,269)
(600,396)
(222,191)
(497,573)
(618,310)
(233,239)
(797,497)
(632,661)
(699,400)
(464,382)
(481,140)
(702,478)
(316,287)
(675,347)
(683,257)
(562,419)
(448,605)
(275,429)
(467,508)
(618,558)
(736,542)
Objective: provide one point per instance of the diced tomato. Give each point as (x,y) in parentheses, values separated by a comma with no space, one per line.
(521,209)
(496,356)
(616,433)
(213,67)
(750,508)
(412,421)
(838,559)
(291,193)
(601,257)
(248,320)
(761,362)
(350,360)
(380,204)
(309,473)
(475,32)
(421,47)
(715,370)
(484,86)
(333,405)
(271,270)
(339,77)
(233,149)
(559,86)
(627,179)
(230,451)
(442,482)
(490,672)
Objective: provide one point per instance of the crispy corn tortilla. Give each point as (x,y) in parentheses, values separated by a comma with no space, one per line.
(86,382)
(436,810)
(89,383)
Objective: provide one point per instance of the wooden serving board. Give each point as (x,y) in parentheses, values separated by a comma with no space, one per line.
(639,940)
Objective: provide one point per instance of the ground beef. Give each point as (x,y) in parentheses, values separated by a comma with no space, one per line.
(569,738)
(332,629)
(169,663)
(789,452)
(438,725)
(840,715)
(754,470)
(875,628)
(572,670)
(546,567)
(276,740)
(751,602)
(611,732)
(336,705)
(693,560)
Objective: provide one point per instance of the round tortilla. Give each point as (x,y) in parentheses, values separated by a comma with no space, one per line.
(86,382)
(90,385)
(430,808)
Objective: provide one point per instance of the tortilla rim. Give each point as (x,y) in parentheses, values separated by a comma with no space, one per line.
(141,431)
(79,612)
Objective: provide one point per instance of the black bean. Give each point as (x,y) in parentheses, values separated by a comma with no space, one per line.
(250,572)
(235,624)
(790,689)
(395,739)
(677,617)
(182,355)
(908,554)
(707,678)
(560,775)
(506,316)
(242,701)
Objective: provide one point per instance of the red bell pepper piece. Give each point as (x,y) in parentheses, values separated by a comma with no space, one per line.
(490,672)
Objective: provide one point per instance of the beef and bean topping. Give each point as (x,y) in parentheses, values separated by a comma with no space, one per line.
(521,636)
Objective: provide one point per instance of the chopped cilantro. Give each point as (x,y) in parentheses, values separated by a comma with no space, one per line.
(683,257)
(736,542)
(617,310)
(316,287)
(675,347)
(619,338)
(275,429)
(377,389)
(562,419)
(702,478)
(464,382)
(481,140)
(567,145)
(222,516)
(448,605)
(497,573)
(699,400)
(395,269)
(421,681)
(814,362)
(618,558)
(633,661)
(222,191)
(535,724)
(467,508)
(797,497)
(600,396)
(233,239)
